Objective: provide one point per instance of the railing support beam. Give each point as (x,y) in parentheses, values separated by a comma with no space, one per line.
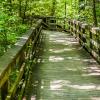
(4,90)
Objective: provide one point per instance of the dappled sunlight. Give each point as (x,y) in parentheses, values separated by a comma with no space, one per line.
(56,38)
(21,43)
(58,35)
(84,87)
(33,98)
(55,87)
(24,37)
(89,60)
(55,58)
(58,84)
(91,74)
(92,70)
(62,84)
(73,58)
(59,41)
(95,98)
(73,69)
(60,50)
(18,44)
(64,42)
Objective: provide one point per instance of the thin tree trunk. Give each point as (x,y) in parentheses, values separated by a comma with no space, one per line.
(26,4)
(65,16)
(20,10)
(25,9)
(53,8)
(94,13)
(65,9)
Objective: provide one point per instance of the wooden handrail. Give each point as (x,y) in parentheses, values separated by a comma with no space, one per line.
(54,23)
(51,22)
(16,59)
(89,37)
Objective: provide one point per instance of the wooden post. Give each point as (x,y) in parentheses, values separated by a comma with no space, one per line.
(80,30)
(22,59)
(4,90)
(74,27)
(98,38)
(98,41)
(96,30)
(91,46)
(84,27)
(77,28)
(69,25)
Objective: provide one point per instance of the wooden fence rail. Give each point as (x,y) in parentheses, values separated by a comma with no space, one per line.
(89,37)
(16,63)
(56,23)
(51,22)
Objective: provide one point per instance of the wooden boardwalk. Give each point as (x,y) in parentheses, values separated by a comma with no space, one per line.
(66,72)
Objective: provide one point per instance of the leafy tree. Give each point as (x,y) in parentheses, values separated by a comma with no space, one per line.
(11,25)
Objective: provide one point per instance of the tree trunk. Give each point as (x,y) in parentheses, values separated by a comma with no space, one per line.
(20,10)
(25,9)
(94,13)
(53,8)
(65,16)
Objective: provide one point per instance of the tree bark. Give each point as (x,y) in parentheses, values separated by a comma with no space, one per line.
(20,10)
(53,8)
(94,13)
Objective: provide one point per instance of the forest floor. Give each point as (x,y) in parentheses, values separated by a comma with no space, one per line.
(66,71)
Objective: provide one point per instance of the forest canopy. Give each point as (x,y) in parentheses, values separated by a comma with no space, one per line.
(14,12)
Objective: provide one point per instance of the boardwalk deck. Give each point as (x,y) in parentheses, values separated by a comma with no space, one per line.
(67,71)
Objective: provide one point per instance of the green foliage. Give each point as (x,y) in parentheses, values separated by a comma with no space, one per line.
(11,26)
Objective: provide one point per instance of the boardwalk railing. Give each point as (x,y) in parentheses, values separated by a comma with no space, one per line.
(51,22)
(17,62)
(15,65)
(89,37)
(55,23)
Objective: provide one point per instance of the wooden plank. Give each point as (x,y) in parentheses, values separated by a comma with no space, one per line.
(4,90)
(22,91)
(4,78)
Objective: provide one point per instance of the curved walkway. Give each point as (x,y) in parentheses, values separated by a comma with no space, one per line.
(66,72)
